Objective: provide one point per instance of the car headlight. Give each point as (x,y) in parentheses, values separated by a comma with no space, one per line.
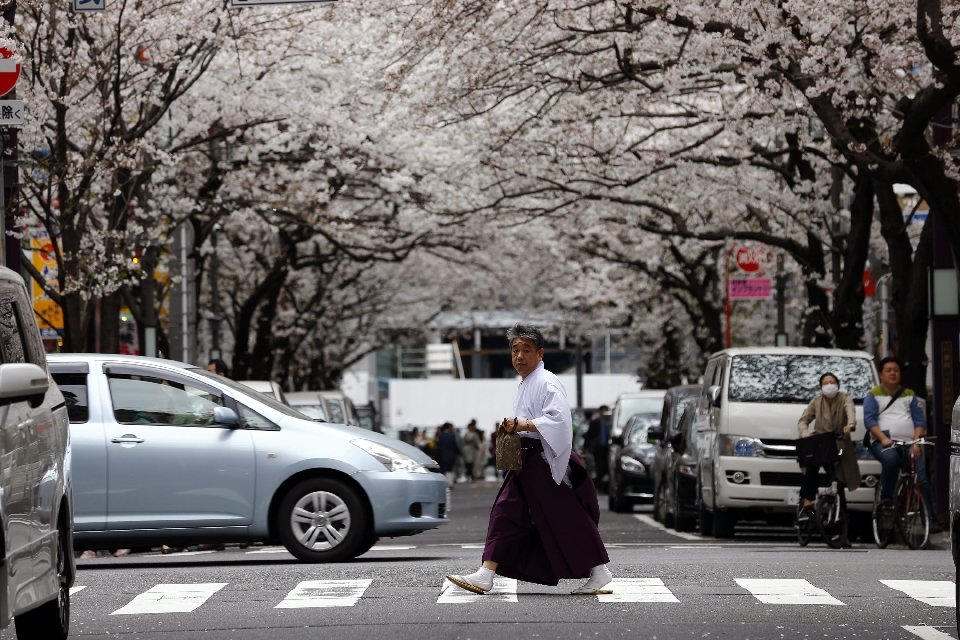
(389,457)
(631,464)
(740,446)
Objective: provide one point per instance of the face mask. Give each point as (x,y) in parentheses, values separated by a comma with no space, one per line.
(829,390)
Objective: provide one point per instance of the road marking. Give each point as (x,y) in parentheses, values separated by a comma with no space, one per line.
(928,633)
(786,591)
(74,590)
(269,550)
(937,593)
(391,547)
(638,590)
(472,546)
(504,590)
(171,598)
(181,553)
(325,593)
(647,520)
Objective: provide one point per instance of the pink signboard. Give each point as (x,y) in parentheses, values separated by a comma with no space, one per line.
(750,288)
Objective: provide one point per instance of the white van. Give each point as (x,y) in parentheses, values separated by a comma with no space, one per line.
(746,420)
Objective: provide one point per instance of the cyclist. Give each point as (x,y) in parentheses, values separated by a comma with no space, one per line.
(892,412)
(831,410)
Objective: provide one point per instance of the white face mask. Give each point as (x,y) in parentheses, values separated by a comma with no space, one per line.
(829,390)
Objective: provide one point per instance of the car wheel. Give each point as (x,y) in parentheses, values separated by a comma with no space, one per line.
(723,523)
(680,522)
(51,620)
(323,520)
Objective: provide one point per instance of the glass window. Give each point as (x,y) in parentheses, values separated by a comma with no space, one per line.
(253,420)
(312,411)
(795,378)
(150,400)
(74,389)
(244,391)
(11,338)
(639,428)
(336,411)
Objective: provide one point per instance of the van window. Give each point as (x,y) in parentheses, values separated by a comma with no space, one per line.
(74,389)
(795,378)
(631,406)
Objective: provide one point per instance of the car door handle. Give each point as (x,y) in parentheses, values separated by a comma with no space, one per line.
(127,438)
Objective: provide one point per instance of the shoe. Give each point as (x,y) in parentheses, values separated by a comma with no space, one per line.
(600,577)
(805,514)
(464,582)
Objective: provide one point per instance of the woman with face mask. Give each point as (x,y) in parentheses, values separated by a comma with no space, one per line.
(831,411)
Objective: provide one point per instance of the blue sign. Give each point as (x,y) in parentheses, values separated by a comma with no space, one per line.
(89,5)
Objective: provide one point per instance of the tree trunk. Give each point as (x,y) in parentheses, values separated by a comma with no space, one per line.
(847,317)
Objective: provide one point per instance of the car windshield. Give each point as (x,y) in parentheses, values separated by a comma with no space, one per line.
(638,431)
(312,411)
(796,378)
(245,391)
(633,406)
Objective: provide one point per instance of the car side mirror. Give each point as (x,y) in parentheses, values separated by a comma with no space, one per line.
(678,443)
(655,433)
(21,382)
(715,395)
(226,416)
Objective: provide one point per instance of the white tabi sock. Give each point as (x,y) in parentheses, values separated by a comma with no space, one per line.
(600,577)
(482,577)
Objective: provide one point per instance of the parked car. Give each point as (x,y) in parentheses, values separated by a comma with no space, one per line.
(630,404)
(310,404)
(340,407)
(35,477)
(680,505)
(268,387)
(168,453)
(631,464)
(667,434)
(746,420)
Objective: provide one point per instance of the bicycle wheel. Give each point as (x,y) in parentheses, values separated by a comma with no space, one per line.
(831,520)
(911,514)
(804,529)
(883,526)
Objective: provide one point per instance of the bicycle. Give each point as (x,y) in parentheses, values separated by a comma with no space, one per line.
(909,515)
(830,505)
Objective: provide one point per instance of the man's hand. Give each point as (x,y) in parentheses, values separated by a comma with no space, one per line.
(886,442)
(509,424)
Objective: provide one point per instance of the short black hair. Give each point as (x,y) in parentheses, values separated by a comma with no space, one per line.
(832,375)
(527,331)
(220,366)
(887,360)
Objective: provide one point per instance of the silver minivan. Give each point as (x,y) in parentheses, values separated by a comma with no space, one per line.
(35,488)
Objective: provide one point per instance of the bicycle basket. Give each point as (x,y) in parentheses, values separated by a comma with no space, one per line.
(818,449)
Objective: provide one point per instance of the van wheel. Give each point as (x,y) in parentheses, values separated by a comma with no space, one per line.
(323,520)
(723,522)
(51,620)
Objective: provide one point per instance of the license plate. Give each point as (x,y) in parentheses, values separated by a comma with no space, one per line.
(793,496)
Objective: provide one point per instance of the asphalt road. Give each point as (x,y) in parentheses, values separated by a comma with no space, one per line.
(759,585)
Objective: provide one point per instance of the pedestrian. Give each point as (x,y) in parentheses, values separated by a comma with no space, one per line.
(543,524)
(597,441)
(480,460)
(448,451)
(218,366)
(472,448)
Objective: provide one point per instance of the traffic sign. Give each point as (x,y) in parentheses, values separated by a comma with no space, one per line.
(753,258)
(750,288)
(11,113)
(250,3)
(9,71)
(89,5)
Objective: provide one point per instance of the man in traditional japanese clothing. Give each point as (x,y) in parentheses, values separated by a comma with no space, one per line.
(543,525)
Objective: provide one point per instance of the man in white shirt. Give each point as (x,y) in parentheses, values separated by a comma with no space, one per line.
(543,525)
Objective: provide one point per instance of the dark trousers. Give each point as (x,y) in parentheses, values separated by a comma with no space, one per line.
(808,488)
(543,532)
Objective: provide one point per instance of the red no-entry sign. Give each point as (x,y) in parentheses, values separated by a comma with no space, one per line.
(9,71)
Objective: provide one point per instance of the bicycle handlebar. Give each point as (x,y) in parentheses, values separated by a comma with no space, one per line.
(910,443)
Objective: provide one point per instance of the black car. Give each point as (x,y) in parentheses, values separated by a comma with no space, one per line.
(665,435)
(680,508)
(631,464)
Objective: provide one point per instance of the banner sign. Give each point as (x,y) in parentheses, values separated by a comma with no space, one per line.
(751,288)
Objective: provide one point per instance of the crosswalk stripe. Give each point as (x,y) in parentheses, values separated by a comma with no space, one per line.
(325,593)
(786,591)
(937,593)
(650,522)
(504,590)
(638,590)
(928,633)
(171,598)
(77,589)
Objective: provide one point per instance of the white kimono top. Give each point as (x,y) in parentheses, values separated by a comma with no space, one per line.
(542,398)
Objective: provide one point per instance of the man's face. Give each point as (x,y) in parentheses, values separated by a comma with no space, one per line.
(525,356)
(890,374)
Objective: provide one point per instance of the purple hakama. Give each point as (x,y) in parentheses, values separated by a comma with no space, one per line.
(541,531)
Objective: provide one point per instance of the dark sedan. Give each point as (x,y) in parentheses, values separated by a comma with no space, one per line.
(631,464)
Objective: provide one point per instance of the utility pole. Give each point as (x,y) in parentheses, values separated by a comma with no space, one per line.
(781,338)
(9,175)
